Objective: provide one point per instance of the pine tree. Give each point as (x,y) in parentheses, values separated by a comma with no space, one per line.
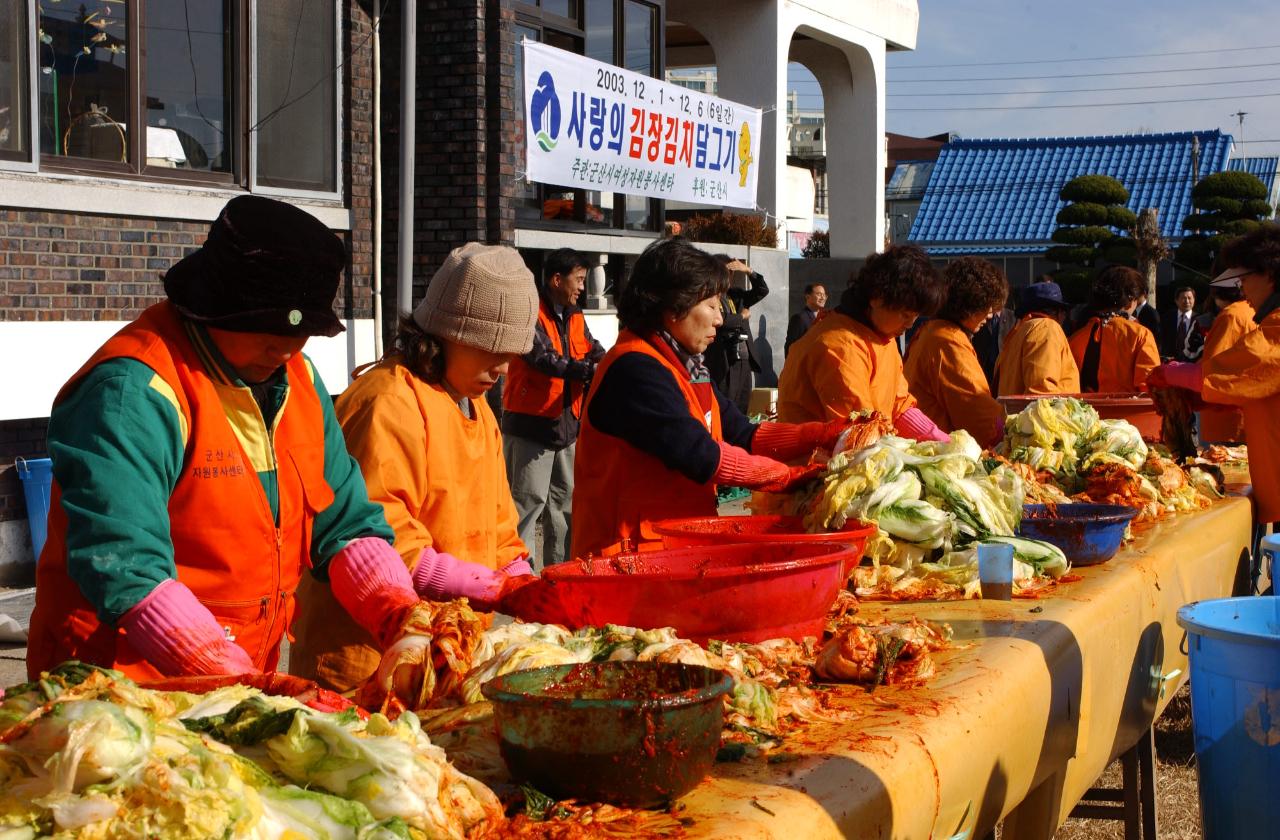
(1086,231)
(1230,204)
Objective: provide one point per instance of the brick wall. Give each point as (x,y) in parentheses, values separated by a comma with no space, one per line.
(83,267)
(466,163)
(18,439)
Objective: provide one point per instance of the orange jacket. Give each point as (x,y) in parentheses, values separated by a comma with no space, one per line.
(1248,375)
(1036,359)
(1225,425)
(529,391)
(618,489)
(441,481)
(947,381)
(226,546)
(839,366)
(1127,356)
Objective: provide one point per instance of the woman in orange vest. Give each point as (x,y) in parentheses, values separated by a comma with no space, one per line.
(1036,358)
(656,436)
(1113,351)
(849,361)
(942,366)
(1247,374)
(431,452)
(199,470)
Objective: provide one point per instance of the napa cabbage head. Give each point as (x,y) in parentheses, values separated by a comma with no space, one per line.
(83,742)
(1114,440)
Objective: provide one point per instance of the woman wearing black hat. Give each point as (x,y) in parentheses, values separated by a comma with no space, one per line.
(1036,358)
(198,469)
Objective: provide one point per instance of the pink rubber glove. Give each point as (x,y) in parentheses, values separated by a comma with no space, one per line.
(739,468)
(180,637)
(1187,375)
(914,423)
(785,441)
(443,577)
(371,582)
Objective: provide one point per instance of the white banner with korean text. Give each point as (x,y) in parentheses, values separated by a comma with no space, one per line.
(594,126)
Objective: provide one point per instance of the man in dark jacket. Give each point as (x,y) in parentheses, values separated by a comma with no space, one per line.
(815,300)
(730,358)
(1178,325)
(542,408)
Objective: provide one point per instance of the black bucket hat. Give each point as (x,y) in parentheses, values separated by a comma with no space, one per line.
(266,267)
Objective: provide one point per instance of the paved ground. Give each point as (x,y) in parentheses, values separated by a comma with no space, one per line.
(16,603)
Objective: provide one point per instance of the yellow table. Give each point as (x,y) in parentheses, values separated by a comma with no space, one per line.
(1021,718)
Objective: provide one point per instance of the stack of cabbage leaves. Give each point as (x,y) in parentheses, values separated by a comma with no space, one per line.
(932,502)
(86,753)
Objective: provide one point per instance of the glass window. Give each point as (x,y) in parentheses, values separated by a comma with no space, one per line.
(295,133)
(637,37)
(599,29)
(188,83)
(14,85)
(84,80)
(563,8)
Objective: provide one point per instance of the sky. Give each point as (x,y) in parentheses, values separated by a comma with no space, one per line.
(978,33)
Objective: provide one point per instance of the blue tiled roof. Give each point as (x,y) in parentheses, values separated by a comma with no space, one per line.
(983,249)
(1263,167)
(1006,191)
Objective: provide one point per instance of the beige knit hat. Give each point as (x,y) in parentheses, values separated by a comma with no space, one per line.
(483,296)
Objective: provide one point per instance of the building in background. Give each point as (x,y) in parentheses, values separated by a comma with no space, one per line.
(277,99)
(998,198)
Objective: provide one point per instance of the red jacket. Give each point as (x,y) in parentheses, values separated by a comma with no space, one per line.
(528,390)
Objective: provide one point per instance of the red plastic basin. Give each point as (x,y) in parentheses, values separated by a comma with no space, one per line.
(721,530)
(1138,409)
(744,592)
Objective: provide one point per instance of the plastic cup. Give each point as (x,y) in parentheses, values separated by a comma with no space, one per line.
(995,571)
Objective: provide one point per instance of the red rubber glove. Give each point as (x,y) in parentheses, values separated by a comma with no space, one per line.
(180,637)
(739,468)
(1187,375)
(439,576)
(372,583)
(914,423)
(788,441)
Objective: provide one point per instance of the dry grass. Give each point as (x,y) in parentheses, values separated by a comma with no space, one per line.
(1177,800)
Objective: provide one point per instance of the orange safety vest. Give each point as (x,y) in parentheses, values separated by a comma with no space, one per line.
(530,391)
(226,546)
(618,489)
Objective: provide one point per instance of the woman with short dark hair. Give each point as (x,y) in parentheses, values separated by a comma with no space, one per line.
(848,360)
(1113,351)
(942,365)
(657,437)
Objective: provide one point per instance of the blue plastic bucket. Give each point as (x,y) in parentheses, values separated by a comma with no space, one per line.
(37,481)
(1234,648)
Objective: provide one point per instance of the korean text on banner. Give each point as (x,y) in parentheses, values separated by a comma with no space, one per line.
(595,126)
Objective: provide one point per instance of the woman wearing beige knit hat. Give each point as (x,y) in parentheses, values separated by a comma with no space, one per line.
(431,452)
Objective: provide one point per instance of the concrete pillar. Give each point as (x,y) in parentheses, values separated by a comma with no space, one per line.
(750,45)
(856,156)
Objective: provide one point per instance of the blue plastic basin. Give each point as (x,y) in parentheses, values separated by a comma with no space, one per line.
(1234,651)
(1087,534)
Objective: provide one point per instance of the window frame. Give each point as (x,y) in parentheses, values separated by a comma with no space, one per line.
(528,13)
(243,173)
(251,102)
(11,162)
